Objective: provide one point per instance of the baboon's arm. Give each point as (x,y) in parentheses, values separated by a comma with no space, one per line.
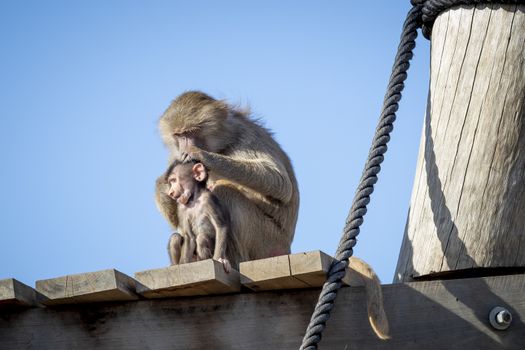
(257,172)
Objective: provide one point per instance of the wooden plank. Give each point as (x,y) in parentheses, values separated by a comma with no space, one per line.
(468,197)
(16,293)
(311,267)
(300,270)
(105,285)
(450,314)
(268,274)
(197,278)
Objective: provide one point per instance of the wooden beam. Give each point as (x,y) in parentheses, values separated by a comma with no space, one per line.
(105,285)
(197,278)
(294,271)
(16,293)
(468,199)
(451,314)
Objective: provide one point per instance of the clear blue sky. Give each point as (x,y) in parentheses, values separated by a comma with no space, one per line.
(82,85)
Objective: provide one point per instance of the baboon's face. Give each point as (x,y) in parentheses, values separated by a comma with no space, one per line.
(195,119)
(184,180)
(181,183)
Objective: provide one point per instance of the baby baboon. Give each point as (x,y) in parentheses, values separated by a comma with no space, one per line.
(248,172)
(203,222)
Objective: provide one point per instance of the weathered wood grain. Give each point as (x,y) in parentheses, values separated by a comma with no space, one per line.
(105,285)
(16,293)
(197,278)
(268,274)
(468,200)
(311,267)
(433,315)
(300,270)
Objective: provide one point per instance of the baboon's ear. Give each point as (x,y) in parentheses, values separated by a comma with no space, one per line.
(199,172)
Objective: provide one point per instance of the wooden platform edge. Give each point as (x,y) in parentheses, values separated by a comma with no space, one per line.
(197,278)
(15,293)
(293,271)
(97,286)
(451,314)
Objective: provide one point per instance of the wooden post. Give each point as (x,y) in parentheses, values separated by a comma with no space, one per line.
(468,200)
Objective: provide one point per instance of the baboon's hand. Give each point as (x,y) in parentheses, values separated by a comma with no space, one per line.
(226,264)
(191,153)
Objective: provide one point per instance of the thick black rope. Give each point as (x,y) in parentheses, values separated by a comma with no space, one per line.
(422,14)
(354,220)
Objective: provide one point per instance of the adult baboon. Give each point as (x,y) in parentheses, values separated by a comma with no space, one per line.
(248,172)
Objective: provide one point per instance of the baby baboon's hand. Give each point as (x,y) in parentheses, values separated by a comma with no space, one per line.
(226,264)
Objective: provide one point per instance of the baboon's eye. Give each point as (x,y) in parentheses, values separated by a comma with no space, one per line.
(185,133)
(190,132)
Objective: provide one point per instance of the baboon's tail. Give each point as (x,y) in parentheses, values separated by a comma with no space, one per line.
(374,297)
